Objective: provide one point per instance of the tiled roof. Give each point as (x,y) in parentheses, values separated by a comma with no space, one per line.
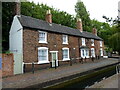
(37,24)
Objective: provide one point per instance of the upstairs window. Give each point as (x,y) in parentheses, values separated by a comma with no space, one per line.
(65,39)
(42,37)
(100,43)
(92,42)
(83,41)
(66,54)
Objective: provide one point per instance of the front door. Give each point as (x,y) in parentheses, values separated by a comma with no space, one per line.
(54,55)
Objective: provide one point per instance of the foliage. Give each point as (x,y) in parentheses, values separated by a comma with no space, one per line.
(103,30)
(7,17)
(114,38)
(39,11)
(82,13)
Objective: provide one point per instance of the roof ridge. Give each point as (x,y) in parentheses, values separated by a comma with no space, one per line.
(39,24)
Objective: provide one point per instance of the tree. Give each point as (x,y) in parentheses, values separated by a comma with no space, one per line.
(7,17)
(103,30)
(114,37)
(34,10)
(82,13)
(39,11)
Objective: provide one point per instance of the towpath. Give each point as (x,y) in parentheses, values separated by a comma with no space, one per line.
(46,75)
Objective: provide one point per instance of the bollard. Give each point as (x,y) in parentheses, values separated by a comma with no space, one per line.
(55,64)
(81,60)
(92,58)
(70,62)
(33,67)
(24,68)
(85,59)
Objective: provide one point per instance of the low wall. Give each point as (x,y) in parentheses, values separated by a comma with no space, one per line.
(7,65)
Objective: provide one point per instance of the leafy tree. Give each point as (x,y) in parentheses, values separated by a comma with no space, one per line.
(39,11)
(82,13)
(103,30)
(114,37)
(7,17)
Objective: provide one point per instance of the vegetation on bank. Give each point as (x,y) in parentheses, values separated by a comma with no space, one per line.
(110,34)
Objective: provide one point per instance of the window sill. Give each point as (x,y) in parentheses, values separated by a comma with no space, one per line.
(83,45)
(43,42)
(67,59)
(64,43)
(43,62)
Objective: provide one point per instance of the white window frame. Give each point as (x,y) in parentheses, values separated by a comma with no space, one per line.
(92,42)
(93,52)
(101,52)
(45,61)
(100,43)
(83,41)
(65,59)
(86,53)
(45,37)
(66,38)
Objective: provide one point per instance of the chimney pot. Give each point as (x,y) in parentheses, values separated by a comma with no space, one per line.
(79,24)
(48,16)
(17,7)
(94,31)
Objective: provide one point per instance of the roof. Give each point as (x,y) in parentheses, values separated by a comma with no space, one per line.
(37,24)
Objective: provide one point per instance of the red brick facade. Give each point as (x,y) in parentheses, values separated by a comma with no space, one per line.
(7,65)
(31,44)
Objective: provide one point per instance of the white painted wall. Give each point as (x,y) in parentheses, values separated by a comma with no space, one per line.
(16,36)
(16,44)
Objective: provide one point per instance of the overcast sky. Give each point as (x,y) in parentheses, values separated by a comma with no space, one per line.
(96,8)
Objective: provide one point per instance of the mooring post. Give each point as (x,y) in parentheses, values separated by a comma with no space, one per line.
(33,67)
(23,67)
(71,62)
(55,64)
(85,59)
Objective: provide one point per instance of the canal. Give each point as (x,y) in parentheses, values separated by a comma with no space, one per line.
(84,81)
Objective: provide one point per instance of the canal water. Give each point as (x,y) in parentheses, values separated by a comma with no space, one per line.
(87,80)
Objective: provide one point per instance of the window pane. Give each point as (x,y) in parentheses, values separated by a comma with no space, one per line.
(65,54)
(42,36)
(42,54)
(65,39)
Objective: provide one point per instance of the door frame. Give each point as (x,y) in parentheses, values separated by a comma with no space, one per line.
(52,57)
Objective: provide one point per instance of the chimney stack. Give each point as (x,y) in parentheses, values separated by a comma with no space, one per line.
(79,24)
(94,31)
(48,16)
(17,7)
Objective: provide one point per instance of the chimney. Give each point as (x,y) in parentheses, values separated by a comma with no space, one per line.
(94,31)
(79,24)
(48,16)
(17,7)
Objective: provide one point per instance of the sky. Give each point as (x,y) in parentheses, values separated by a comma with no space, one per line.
(96,8)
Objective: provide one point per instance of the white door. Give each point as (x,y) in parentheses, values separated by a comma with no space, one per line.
(18,64)
(54,56)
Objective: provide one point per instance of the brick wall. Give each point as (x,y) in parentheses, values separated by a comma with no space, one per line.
(31,44)
(7,65)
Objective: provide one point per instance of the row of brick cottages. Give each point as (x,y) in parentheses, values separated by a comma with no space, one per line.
(42,42)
